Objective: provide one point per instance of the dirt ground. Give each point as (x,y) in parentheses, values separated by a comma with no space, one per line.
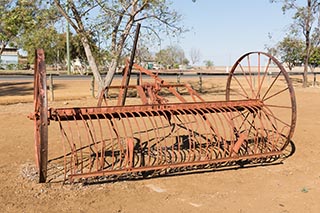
(292,186)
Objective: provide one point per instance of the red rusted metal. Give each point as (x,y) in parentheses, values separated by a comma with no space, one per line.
(254,124)
(284,111)
(40,115)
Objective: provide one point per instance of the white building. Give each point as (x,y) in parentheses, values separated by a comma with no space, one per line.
(9,57)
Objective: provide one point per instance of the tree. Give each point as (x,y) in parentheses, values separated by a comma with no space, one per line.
(291,51)
(142,53)
(170,57)
(194,55)
(315,58)
(304,20)
(116,20)
(17,16)
(208,63)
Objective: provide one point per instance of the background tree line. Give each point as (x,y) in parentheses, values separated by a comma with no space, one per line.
(102,32)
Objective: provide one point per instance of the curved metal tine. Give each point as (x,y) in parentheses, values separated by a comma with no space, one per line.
(130,135)
(218,137)
(246,120)
(90,140)
(158,141)
(205,124)
(109,128)
(63,136)
(139,140)
(80,143)
(230,123)
(225,147)
(257,116)
(122,117)
(209,137)
(94,137)
(194,131)
(182,125)
(155,143)
(175,135)
(73,148)
(270,134)
(275,126)
(176,129)
(251,124)
(230,117)
(164,137)
(242,123)
(187,126)
(115,129)
(100,162)
(241,114)
(147,141)
(287,141)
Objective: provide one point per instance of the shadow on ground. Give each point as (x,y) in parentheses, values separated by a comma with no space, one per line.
(16,88)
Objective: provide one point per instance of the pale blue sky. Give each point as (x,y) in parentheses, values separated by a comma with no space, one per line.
(223,30)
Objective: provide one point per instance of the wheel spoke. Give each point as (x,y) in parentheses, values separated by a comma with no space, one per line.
(264,76)
(277,93)
(273,82)
(249,69)
(277,98)
(236,91)
(276,118)
(246,95)
(278,106)
(246,77)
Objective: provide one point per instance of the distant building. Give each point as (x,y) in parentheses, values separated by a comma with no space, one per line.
(9,57)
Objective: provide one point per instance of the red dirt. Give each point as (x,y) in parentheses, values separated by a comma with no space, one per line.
(293,186)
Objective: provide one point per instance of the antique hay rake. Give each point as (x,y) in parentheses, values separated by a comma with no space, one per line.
(160,136)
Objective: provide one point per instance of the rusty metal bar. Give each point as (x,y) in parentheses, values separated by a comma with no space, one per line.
(87,112)
(40,115)
(128,71)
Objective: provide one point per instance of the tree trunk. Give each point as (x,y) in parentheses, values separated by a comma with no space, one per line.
(308,45)
(305,73)
(112,70)
(3,46)
(92,63)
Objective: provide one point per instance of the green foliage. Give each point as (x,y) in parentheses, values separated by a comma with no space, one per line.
(291,51)
(208,63)
(305,19)
(17,17)
(314,60)
(171,57)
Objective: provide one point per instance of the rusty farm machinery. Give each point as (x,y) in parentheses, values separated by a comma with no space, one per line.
(168,132)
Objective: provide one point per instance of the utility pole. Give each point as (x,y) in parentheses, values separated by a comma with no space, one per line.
(68,43)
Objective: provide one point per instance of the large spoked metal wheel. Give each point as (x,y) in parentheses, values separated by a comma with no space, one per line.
(259,76)
(40,115)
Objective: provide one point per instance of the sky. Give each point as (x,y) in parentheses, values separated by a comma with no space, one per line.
(223,30)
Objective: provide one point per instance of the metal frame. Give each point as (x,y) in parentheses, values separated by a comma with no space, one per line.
(158,137)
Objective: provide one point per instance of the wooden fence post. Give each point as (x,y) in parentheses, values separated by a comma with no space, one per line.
(92,86)
(200,82)
(51,88)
